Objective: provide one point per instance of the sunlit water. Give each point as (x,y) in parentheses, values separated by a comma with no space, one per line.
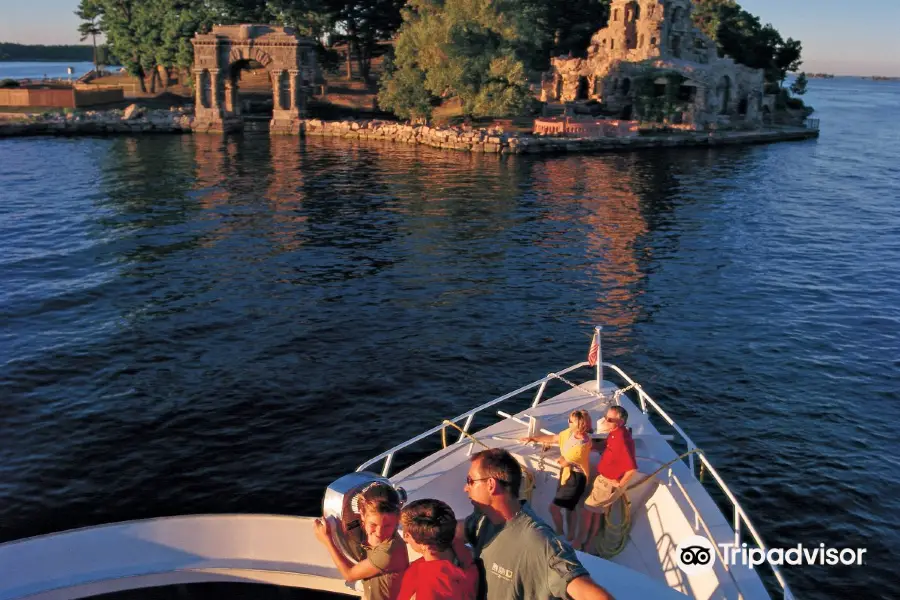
(197,324)
(42,69)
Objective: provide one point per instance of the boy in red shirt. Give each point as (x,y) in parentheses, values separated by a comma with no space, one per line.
(428,528)
(617,466)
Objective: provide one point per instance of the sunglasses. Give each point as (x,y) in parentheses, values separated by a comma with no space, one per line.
(471,482)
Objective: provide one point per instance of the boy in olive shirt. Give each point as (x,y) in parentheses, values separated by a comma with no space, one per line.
(520,556)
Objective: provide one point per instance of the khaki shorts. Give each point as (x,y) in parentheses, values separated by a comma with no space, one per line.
(601,493)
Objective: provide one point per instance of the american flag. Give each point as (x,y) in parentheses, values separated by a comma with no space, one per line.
(594,351)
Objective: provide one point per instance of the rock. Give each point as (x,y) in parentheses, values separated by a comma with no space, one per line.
(132,112)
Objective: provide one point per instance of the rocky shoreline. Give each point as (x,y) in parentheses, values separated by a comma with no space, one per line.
(130,120)
(497,142)
(135,120)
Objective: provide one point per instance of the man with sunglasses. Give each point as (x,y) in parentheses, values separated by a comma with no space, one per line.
(519,556)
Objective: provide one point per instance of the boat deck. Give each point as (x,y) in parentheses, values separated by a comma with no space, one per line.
(663,509)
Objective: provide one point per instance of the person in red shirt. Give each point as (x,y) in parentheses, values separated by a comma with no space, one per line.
(617,466)
(441,574)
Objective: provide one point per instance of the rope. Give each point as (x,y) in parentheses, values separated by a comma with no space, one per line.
(445,422)
(616,395)
(566,381)
(617,532)
(528,482)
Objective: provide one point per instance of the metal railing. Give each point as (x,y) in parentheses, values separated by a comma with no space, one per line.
(739,514)
(388,455)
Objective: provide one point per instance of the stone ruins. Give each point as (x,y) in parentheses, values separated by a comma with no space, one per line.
(219,56)
(651,63)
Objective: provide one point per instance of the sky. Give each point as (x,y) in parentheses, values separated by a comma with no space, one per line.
(840,37)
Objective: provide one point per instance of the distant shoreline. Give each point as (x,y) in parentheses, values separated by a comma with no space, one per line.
(870,77)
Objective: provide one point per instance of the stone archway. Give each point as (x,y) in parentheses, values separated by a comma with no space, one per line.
(289,60)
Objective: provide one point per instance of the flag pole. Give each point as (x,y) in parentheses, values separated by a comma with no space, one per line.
(597,330)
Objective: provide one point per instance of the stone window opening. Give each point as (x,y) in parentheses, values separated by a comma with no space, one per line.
(284,90)
(205,89)
(582,92)
(598,85)
(612,44)
(653,42)
(616,15)
(687,93)
(633,12)
(677,16)
(742,106)
(641,41)
(676,46)
(723,92)
(626,86)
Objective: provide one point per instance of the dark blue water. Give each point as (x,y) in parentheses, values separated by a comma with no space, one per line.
(41,69)
(199,324)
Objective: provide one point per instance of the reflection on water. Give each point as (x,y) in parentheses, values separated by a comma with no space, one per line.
(609,222)
(187,318)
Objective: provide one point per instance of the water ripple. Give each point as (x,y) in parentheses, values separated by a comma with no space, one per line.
(208,324)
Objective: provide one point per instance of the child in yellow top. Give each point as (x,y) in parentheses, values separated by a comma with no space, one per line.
(575,449)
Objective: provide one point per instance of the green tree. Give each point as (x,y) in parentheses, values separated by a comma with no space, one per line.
(363,24)
(404,93)
(788,58)
(743,37)
(798,88)
(121,21)
(89,13)
(10,51)
(479,51)
(706,15)
(570,24)
(308,17)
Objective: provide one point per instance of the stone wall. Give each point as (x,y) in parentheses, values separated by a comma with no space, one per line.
(452,138)
(497,142)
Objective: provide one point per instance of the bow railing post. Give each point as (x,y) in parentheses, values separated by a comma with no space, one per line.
(597,331)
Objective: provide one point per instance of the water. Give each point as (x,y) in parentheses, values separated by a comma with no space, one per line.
(43,69)
(199,324)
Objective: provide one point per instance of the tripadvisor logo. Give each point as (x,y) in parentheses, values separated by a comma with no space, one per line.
(697,554)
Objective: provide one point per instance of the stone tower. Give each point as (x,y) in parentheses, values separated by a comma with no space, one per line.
(647,29)
(659,37)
